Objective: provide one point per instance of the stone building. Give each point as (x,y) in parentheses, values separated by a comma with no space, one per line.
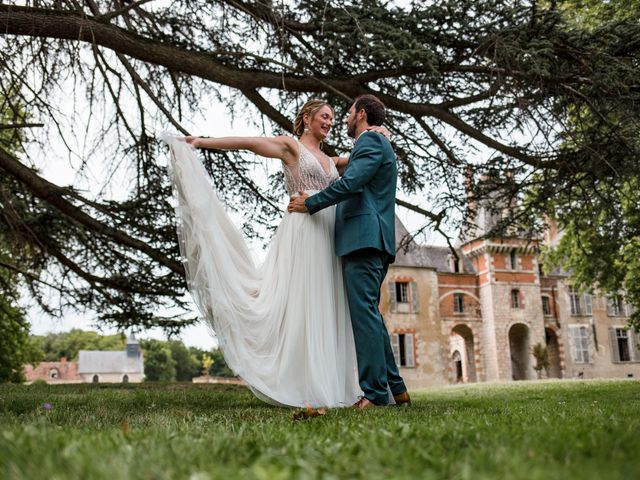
(53,372)
(477,317)
(112,367)
(93,366)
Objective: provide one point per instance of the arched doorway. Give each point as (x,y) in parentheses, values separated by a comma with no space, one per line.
(468,356)
(96,379)
(125,379)
(553,347)
(519,348)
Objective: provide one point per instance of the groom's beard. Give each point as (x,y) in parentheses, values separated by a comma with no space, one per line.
(351,129)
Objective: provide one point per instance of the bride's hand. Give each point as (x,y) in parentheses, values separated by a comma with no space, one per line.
(193,141)
(380,129)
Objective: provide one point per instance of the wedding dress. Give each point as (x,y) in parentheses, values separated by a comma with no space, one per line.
(283,326)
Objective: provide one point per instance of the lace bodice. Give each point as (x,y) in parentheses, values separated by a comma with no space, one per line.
(308,174)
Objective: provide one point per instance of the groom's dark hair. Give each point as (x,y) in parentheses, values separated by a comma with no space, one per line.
(373,107)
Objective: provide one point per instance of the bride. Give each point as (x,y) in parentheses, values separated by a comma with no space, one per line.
(284,325)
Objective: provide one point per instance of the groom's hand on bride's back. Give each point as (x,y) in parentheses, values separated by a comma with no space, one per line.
(381,130)
(296,204)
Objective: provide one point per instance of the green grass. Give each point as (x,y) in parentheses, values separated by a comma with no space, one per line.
(552,430)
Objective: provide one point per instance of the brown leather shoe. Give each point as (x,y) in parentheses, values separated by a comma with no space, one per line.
(364,403)
(402,399)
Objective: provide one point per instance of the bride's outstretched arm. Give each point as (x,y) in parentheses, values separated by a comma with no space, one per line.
(282,147)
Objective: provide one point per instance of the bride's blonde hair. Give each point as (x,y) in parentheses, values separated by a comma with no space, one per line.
(310,108)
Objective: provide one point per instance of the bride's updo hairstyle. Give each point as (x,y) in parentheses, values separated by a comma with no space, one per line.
(310,108)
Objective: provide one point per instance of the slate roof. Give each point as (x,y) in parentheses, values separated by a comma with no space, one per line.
(94,361)
(410,254)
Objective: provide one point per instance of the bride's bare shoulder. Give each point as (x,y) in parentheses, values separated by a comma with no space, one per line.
(291,149)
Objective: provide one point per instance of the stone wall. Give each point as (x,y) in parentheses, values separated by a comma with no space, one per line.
(430,344)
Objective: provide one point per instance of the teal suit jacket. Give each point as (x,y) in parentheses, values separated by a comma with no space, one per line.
(366,193)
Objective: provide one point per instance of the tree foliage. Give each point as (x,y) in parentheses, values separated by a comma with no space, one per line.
(68,344)
(599,210)
(187,362)
(171,360)
(16,348)
(472,87)
(159,365)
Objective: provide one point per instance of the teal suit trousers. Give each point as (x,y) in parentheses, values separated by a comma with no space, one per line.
(364,271)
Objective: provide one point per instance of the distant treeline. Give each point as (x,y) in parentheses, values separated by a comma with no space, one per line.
(163,360)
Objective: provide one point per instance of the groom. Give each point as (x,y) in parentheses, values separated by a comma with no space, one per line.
(365,239)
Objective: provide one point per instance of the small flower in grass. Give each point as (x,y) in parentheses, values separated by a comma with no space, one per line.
(47,406)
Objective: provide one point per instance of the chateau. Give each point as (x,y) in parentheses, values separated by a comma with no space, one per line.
(477,317)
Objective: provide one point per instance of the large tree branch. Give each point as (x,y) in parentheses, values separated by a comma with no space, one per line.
(64,25)
(11,126)
(420,110)
(117,283)
(267,109)
(434,217)
(71,26)
(54,196)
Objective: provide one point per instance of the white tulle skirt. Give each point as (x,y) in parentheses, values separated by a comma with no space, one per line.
(283,326)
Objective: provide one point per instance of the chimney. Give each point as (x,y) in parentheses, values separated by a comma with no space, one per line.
(468,187)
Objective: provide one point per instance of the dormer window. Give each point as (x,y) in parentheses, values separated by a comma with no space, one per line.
(455,264)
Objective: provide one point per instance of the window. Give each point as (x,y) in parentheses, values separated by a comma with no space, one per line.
(402,292)
(54,374)
(513,260)
(403,352)
(546,306)
(455,264)
(581,304)
(615,307)
(624,345)
(515,299)
(622,338)
(458,302)
(575,302)
(403,296)
(579,338)
(588,306)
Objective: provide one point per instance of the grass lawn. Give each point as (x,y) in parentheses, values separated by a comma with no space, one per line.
(550,430)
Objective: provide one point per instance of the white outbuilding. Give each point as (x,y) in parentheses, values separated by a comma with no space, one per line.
(126,366)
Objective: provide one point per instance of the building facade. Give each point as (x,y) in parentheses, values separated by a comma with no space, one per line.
(476,316)
(93,366)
